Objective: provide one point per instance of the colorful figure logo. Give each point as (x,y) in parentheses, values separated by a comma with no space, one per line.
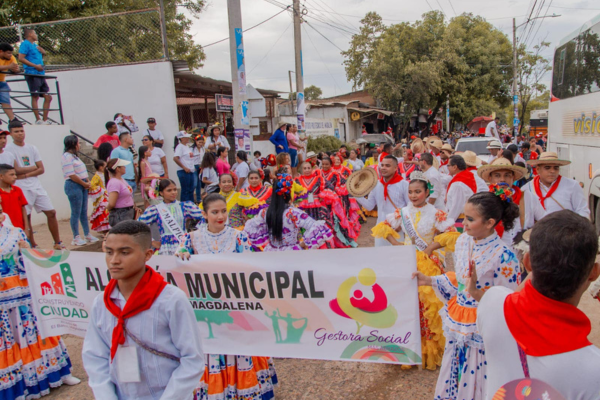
(61,283)
(375,313)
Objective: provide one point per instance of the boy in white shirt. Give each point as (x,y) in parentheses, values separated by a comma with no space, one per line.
(143,340)
(539,332)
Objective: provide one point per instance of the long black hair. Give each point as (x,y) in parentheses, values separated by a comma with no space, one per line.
(491,206)
(242,155)
(104,151)
(70,143)
(165,183)
(279,203)
(141,154)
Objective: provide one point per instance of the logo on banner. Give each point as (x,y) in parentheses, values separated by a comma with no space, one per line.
(369,309)
(60,283)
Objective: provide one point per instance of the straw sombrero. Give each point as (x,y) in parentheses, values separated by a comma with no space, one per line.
(362,182)
(215,125)
(447,147)
(501,164)
(548,157)
(435,142)
(494,144)
(471,158)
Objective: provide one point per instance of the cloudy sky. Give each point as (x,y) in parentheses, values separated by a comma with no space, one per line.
(270,46)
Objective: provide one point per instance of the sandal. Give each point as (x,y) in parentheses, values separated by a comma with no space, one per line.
(59,246)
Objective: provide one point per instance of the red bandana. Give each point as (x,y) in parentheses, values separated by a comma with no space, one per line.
(394,179)
(147,290)
(538,189)
(471,169)
(518,194)
(465,177)
(442,163)
(544,327)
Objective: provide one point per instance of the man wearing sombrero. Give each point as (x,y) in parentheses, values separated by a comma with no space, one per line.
(501,174)
(554,192)
(435,147)
(472,163)
(495,147)
(445,152)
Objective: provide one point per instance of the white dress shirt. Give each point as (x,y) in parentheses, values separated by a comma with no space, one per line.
(569,195)
(398,193)
(533,213)
(457,197)
(481,185)
(574,374)
(439,189)
(169,326)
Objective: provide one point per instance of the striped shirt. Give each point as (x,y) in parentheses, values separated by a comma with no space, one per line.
(72,165)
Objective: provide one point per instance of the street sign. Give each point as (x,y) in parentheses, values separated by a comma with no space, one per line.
(224,102)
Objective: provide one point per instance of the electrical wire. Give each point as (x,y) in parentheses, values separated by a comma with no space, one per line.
(341,19)
(323,61)
(246,30)
(326,38)
(453,10)
(535,21)
(438,1)
(427,1)
(272,47)
(540,24)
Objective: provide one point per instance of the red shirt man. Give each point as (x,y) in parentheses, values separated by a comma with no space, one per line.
(110,136)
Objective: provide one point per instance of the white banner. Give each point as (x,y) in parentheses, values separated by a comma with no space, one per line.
(347,304)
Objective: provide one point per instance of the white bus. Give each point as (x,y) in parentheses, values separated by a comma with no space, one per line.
(574,111)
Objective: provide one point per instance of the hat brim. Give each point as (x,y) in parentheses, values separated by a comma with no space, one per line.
(535,163)
(485,171)
(478,162)
(362,182)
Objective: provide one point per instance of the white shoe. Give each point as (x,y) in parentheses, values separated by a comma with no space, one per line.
(39,122)
(47,122)
(70,380)
(91,239)
(78,241)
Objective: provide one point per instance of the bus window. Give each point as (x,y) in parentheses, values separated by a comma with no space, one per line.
(561,66)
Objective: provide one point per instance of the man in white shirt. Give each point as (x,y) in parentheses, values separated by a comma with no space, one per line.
(445,154)
(6,157)
(390,193)
(495,147)
(491,130)
(539,332)
(473,162)
(460,189)
(28,165)
(438,189)
(554,191)
(157,135)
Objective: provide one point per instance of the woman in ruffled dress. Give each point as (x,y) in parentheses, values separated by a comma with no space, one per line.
(170,215)
(279,227)
(99,196)
(30,366)
(257,189)
(351,207)
(421,222)
(227,376)
(240,206)
(464,368)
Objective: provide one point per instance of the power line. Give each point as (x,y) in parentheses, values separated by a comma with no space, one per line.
(438,1)
(453,10)
(320,19)
(535,21)
(246,30)
(323,61)
(427,1)
(341,17)
(578,8)
(326,38)
(540,25)
(274,44)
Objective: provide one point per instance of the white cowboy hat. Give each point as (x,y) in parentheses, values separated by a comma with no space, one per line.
(362,182)
(494,144)
(183,134)
(310,154)
(501,164)
(548,157)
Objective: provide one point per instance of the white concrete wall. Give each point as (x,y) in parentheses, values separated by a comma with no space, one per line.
(91,97)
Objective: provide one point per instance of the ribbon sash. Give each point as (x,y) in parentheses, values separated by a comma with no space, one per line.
(169,221)
(411,230)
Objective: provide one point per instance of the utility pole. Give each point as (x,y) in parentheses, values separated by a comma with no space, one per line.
(241,117)
(514,88)
(448,114)
(163,27)
(300,106)
(291,90)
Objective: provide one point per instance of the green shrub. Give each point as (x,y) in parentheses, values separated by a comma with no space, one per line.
(323,143)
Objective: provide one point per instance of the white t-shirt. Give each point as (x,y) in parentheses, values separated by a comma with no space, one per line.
(356,164)
(186,156)
(198,155)
(491,130)
(26,156)
(6,157)
(155,162)
(242,170)
(211,175)
(156,134)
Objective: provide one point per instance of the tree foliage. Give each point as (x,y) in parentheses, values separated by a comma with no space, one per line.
(412,66)
(108,39)
(312,92)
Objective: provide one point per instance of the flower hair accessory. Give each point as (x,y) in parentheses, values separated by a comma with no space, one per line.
(153,189)
(284,184)
(503,190)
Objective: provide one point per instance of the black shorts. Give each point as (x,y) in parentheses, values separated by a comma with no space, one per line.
(37,85)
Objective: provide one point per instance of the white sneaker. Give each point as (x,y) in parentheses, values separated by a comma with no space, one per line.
(70,380)
(91,239)
(39,122)
(47,122)
(78,241)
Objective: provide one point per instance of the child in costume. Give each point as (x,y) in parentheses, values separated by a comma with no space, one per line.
(345,230)
(279,227)
(240,206)
(143,340)
(99,196)
(463,373)
(227,376)
(421,222)
(170,215)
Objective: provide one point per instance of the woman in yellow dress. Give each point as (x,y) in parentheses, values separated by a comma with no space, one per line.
(418,224)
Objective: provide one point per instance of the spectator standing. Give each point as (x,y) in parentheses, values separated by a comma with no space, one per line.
(210,178)
(256,165)
(111,136)
(125,123)
(29,166)
(279,139)
(198,152)
(242,170)
(184,158)
(214,140)
(76,188)
(8,63)
(120,194)
(535,146)
(355,161)
(222,165)
(124,153)
(6,157)
(294,146)
(13,199)
(145,174)
(491,130)
(156,134)
(31,56)
(158,159)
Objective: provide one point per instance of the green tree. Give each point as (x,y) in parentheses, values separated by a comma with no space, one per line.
(540,102)
(312,92)
(108,39)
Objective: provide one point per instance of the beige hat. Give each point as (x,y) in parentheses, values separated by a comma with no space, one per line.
(501,164)
(548,157)
(471,158)
(121,163)
(494,144)
(447,147)
(435,142)
(310,154)
(362,182)
(215,125)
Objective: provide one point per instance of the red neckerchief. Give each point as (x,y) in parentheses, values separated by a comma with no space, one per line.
(518,194)
(394,179)
(442,163)
(538,189)
(465,177)
(143,296)
(544,327)
(471,169)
